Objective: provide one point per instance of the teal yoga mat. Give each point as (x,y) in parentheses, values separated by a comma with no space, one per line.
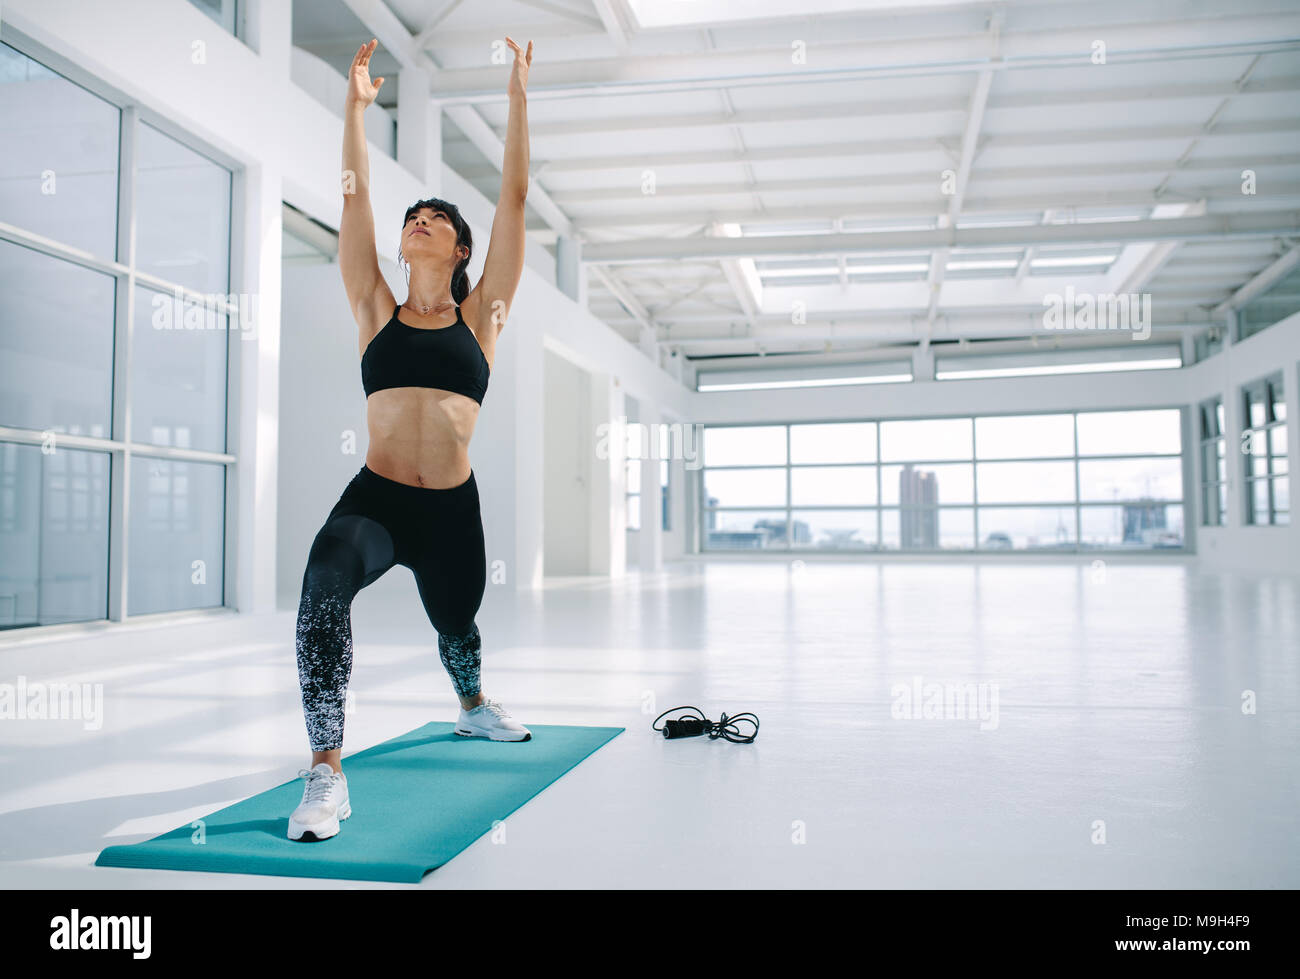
(417,801)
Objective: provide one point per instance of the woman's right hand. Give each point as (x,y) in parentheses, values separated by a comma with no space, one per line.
(361,91)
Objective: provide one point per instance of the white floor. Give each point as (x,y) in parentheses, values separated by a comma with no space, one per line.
(1119,695)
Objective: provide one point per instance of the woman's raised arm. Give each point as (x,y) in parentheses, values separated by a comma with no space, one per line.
(368,293)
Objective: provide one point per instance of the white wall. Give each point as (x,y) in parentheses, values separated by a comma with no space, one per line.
(322,413)
(1236,545)
(568,468)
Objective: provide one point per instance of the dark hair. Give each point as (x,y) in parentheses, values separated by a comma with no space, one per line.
(459,278)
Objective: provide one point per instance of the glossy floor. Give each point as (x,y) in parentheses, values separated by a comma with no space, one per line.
(1072,726)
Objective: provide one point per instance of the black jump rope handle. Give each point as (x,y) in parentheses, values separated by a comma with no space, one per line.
(693,727)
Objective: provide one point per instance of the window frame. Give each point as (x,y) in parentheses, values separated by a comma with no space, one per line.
(120,447)
(1077,547)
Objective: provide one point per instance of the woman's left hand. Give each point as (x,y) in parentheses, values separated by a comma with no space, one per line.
(519,75)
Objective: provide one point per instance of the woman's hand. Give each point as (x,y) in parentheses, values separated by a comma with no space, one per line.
(519,74)
(360,89)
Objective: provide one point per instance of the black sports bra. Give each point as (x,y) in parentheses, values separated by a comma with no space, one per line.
(405,356)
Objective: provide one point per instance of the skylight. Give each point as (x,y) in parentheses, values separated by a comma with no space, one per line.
(680,13)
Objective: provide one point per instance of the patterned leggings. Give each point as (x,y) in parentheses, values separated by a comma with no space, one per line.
(377,523)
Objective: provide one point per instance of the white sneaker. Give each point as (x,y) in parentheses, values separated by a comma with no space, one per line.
(490,720)
(324,803)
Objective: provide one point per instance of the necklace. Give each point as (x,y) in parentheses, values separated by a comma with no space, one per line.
(424,310)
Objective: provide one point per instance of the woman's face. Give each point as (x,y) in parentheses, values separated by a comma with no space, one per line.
(429,234)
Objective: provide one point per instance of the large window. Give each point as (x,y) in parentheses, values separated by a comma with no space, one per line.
(1071,481)
(1264,452)
(1214,463)
(113,358)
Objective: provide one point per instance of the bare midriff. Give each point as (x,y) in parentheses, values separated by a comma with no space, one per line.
(420,436)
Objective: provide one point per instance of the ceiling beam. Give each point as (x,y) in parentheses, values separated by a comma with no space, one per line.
(1061,170)
(1277,126)
(1261,283)
(1212,227)
(918,207)
(626,298)
(612,21)
(910,108)
(969,142)
(859,59)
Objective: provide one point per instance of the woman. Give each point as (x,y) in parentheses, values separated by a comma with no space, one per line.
(424,367)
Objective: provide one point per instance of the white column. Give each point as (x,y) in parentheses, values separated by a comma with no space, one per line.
(267,28)
(253,418)
(1233,425)
(923,362)
(608,496)
(648,343)
(419,130)
(570,273)
(651,537)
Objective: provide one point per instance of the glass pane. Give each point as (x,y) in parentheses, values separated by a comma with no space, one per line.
(1024,437)
(1257,501)
(746,530)
(634,512)
(744,487)
(750,445)
(1256,413)
(1223,505)
(663,473)
(953,483)
(183,221)
(1104,481)
(178,376)
(836,442)
(1278,398)
(53,535)
(1026,482)
(634,475)
(1281,495)
(175,552)
(1277,442)
(56,344)
(957,528)
(928,529)
(1026,528)
(1209,505)
(833,486)
(835,529)
(926,439)
(1135,525)
(1129,432)
(58,171)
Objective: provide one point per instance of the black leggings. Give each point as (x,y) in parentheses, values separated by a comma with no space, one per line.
(377,523)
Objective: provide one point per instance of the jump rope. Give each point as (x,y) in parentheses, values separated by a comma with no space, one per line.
(693,727)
